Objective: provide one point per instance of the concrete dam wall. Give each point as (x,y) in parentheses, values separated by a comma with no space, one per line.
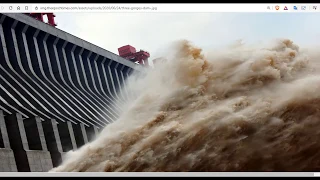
(56,92)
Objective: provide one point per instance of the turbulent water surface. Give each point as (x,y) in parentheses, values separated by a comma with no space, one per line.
(240,109)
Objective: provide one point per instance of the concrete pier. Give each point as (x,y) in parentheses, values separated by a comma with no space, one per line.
(7,160)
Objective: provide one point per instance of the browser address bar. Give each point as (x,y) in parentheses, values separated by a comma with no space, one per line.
(94,8)
(150,7)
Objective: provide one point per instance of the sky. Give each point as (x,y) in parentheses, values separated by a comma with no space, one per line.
(153,32)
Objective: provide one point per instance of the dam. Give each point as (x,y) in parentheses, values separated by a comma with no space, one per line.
(57,92)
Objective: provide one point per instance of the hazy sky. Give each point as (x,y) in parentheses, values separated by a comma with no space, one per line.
(154,31)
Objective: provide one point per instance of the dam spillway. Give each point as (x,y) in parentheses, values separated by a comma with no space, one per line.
(57,92)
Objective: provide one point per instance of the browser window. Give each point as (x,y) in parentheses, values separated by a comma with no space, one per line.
(208,89)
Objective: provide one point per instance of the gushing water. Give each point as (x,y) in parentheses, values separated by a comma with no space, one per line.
(242,109)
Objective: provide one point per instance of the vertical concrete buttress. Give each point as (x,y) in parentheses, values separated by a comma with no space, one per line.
(7,160)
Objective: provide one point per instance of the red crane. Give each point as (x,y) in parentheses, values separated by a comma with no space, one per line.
(39,16)
(129,52)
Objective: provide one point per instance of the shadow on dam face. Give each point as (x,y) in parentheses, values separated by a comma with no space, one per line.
(32,133)
(51,133)
(78,134)
(65,137)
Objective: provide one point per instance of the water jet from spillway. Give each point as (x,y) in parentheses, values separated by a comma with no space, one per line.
(245,109)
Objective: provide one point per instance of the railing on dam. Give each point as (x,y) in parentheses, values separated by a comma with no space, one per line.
(56,92)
